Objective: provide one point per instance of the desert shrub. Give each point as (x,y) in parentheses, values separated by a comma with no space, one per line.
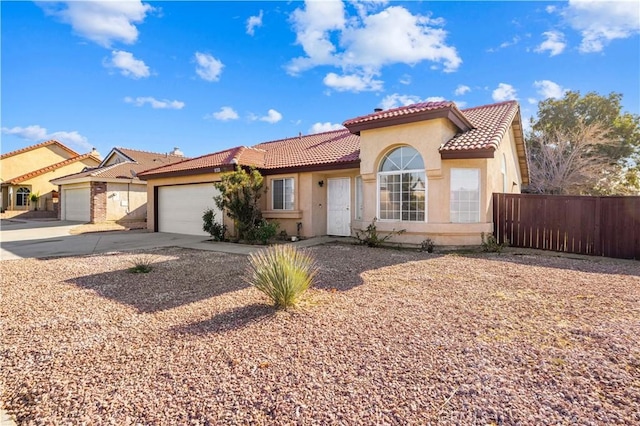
(240,193)
(282,272)
(215,229)
(427,245)
(141,265)
(490,243)
(263,231)
(370,236)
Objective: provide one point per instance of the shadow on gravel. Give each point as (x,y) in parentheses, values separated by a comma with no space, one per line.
(589,264)
(233,319)
(190,276)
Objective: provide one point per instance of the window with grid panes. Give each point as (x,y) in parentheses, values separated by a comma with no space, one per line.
(465,195)
(282,194)
(402,186)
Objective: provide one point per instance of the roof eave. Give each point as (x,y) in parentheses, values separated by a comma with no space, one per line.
(188,172)
(452,114)
(459,154)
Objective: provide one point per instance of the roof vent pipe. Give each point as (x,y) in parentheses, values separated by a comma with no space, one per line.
(377,110)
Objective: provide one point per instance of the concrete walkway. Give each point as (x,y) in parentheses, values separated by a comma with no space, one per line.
(53,239)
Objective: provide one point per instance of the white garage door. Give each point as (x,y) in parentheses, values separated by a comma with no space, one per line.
(180,208)
(76,204)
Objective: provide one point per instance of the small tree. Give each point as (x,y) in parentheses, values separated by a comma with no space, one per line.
(35,197)
(240,192)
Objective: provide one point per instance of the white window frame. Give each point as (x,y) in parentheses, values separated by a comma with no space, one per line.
(452,200)
(284,194)
(400,173)
(504,173)
(24,193)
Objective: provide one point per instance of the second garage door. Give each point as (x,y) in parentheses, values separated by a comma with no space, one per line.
(180,207)
(76,204)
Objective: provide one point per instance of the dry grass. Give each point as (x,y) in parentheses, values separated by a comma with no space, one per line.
(387,337)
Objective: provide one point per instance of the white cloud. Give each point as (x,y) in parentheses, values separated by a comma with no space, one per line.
(155,103)
(515,40)
(324,127)
(397,100)
(37,133)
(272,117)
(550,9)
(361,45)
(128,65)
(532,101)
(208,67)
(405,79)
(461,90)
(554,43)
(600,22)
(103,22)
(33,133)
(352,83)
(549,89)
(253,22)
(226,113)
(504,92)
(460,104)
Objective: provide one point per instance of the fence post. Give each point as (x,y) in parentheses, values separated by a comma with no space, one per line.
(597,237)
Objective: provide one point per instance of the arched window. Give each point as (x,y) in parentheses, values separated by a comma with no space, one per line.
(402,186)
(22,197)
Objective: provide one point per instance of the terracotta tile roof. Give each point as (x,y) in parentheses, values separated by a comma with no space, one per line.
(239,155)
(410,114)
(71,152)
(481,131)
(115,171)
(335,147)
(490,122)
(49,168)
(400,111)
(338,146)
(151,159)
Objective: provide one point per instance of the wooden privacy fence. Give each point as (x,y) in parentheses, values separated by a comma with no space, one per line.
(598,226)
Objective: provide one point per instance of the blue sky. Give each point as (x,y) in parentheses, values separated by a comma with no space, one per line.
(205,76)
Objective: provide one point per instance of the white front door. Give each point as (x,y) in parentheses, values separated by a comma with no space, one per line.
(339,207)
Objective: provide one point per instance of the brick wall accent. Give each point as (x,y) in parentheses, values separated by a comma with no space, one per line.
(98,202)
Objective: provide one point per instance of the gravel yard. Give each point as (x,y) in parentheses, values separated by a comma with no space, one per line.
(386,337)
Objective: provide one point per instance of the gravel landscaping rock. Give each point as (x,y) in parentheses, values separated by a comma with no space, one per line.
(386,337)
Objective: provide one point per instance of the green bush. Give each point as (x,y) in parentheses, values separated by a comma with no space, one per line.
(263,231)
(215,229)
(141,265)
(427,245)
(282,272)
(490,243)
(371,238)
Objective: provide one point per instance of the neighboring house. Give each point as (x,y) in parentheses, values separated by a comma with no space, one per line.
(28,171)
(111,191)
(428,168)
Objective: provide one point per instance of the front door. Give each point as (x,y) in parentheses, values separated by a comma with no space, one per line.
(339,207)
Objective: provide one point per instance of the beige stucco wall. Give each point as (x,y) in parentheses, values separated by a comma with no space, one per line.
(427,137)
(19,164)
(126,202)
(40,184)
(310,201)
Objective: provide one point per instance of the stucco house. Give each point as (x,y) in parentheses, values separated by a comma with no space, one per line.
(112,191)
(428,168)
(28,171)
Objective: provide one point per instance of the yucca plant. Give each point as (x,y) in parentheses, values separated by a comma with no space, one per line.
(283,273)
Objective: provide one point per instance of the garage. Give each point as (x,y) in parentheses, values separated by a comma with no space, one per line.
(76,204)
(180,207)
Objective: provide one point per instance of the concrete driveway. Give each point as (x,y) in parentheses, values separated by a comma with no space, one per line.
(38,239)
